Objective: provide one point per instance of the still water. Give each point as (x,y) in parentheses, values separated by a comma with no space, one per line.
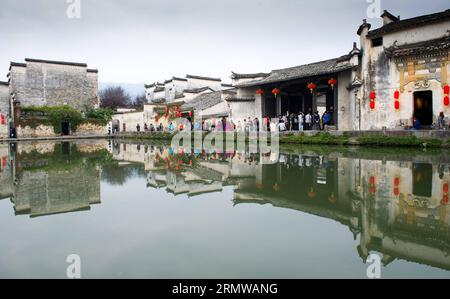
(143,210)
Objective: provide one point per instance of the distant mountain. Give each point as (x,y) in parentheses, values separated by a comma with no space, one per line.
(132,89)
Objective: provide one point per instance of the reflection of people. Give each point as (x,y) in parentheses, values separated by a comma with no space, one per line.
(138,127)
(441,121)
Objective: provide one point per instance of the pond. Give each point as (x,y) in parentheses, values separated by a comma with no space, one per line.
(133,209)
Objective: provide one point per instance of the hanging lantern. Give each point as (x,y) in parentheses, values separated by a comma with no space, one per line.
(276,91)
(3,119)
(190,113)
(396,181)
(372,105)
(373,95)
(446,89)
(311,86)
(332,82)
(259,91)
(446,101)
(397,105)
(445,188)
(396,94)
(178,114)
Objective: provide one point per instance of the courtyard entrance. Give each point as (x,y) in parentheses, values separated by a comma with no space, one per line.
(423,107)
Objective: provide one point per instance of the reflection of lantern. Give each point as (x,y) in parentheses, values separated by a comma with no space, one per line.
(396,181)
(372,185)
(312,193)
(372,105)
(446,101)
(446,89)
(332,199)
(3,119)
(397,105)
(165,115)
(312,86)
(276,91)
(260,91)
(276,187)
(445,199)
(445,188)
(178,114)
(332,82)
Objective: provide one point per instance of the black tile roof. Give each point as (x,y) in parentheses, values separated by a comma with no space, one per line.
(330,66)
(410,23)
(56,62)
(235,98)
(198,90)
(92,71)
(150,85)
(204,101)
(159,89)
(4,83)
(439,46)
(248,76)
(203,78)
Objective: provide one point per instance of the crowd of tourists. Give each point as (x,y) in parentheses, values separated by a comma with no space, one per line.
(283,123)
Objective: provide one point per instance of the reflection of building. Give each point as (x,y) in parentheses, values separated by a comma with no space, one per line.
(50,178)
(397,208)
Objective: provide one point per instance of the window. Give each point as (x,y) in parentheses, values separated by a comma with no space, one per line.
(377,42)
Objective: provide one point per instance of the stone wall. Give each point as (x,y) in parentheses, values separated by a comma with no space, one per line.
(4,109)
(53,84)
(43,131)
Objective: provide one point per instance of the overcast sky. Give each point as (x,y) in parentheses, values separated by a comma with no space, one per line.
(137,41)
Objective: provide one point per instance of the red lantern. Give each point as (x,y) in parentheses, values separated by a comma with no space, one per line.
(312,86)
(396,182)
(396,192)
(446,101)
(445,188)
(190,113)
(3,119)
(397,105)
(332,82)
(332,199)
(260,91)
(373,95)
(372,105)
(446,89)
(276,91)
(445,199)
(397,95)
(372,181)
(178,114)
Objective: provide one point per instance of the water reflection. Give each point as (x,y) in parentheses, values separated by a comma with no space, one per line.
(393,202)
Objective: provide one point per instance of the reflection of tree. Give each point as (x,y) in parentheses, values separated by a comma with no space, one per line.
(115,174)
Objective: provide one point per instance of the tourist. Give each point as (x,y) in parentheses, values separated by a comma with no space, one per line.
(152,128)
(441,121)
(250,125)
(160,127)
(326,119)
(316,121)
(145,127)
(294,119)
(138,128)
(256,124)
(308,119)
(282,126)
(416,124)
(273,126)
(171,127)
(239,126)
(301,121)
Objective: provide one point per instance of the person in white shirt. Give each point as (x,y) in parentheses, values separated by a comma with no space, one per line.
(300,121)
(282,126)
(308,120)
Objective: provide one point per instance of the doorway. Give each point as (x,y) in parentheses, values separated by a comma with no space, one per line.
(65,128)
(423,107)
